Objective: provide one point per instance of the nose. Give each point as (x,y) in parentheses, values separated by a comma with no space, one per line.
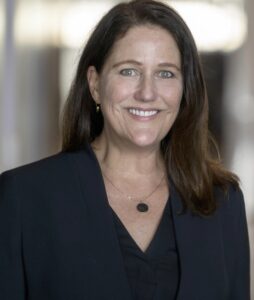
(146,90)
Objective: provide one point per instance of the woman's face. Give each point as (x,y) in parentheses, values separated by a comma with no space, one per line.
(140,87)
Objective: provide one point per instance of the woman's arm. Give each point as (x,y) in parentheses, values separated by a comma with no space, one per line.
(12,279)
(241,285)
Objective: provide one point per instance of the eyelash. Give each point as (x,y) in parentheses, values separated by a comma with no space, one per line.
(132,72)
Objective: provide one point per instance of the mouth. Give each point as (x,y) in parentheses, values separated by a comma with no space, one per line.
(143,113)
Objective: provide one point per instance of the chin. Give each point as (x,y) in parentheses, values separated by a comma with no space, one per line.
(145,141)
(146,138)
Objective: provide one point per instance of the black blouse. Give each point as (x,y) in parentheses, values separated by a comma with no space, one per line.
(153,274)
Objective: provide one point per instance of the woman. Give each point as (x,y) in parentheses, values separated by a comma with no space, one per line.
(136,205)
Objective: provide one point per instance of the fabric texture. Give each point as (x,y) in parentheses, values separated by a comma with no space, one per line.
(153,274)
(58,240)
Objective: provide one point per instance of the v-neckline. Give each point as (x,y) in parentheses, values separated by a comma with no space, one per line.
(196,237)
(147,253)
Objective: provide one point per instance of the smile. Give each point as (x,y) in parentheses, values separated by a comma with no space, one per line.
(142,113)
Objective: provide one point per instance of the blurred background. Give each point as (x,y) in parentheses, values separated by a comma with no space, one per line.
(40,45)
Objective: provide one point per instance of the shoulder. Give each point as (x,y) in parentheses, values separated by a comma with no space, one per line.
(43,167)
(32,177)
(230,202)
(49,171)
(232,215)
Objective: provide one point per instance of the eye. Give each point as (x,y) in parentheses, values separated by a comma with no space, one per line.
(128,72)
(165,74)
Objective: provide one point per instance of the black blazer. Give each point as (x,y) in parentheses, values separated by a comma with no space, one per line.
(58,241)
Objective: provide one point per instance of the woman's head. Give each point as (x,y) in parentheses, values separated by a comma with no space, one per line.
(81,121)
(139,88)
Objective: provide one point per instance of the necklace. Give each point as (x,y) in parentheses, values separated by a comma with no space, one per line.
(141,206)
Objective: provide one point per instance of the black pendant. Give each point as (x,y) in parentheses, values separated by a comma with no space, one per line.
(142,207)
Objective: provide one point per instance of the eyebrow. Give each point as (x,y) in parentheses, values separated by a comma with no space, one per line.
(131,61)
(128,61)
(166,64)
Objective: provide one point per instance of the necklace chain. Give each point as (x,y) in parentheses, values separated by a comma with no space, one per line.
(131,197)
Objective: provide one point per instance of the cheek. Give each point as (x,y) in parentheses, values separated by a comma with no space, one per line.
(114,92)
(173,96)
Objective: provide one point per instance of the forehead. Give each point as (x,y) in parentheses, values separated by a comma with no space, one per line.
(145,43)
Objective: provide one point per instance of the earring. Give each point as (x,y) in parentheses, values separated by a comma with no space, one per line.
(97,108)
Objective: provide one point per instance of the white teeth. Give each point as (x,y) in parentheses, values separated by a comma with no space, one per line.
(142,113)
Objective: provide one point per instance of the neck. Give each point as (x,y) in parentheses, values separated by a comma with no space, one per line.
(126,160)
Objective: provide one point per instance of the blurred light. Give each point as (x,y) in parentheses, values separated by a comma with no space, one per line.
(216,27)
(79,20)
(61,24)
(37,23)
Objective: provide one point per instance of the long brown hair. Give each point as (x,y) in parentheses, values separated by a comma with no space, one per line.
(189,152)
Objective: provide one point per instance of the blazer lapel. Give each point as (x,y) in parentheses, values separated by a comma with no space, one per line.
(111,279)
(200,253)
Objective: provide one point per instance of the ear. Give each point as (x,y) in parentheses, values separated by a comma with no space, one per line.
(93,82)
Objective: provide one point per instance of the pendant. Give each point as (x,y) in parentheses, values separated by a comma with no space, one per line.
(142,207)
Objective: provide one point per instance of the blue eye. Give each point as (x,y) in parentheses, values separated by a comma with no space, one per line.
(165,74)
(128,72)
